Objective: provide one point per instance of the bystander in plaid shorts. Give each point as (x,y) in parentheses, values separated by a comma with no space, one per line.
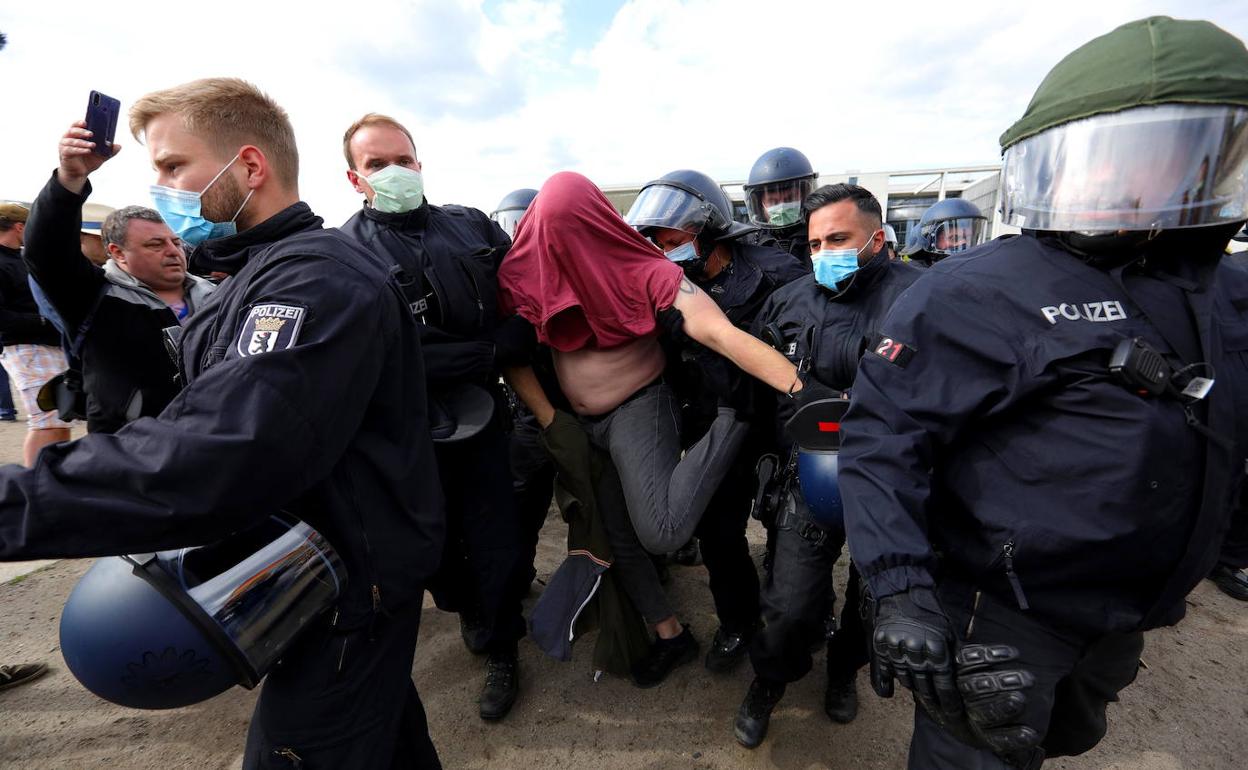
(30,367)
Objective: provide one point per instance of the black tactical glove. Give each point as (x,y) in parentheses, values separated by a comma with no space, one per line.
(992,691)
(813,390)
(672,323)
(514,341)
(914,643)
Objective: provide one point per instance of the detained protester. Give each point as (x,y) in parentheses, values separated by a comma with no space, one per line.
(115,316)
(598,294)
(822,324)
(1062,415)
(449,257)
(305,393)
(946,227)
(689,216)
(779,181)
(31,344)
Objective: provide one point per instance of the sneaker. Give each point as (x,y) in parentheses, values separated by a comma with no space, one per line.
(689,554)
(840,700)
(502,685)
(755,712)
(473,632)
(1230,581)
(664,655)
(21,673)
(728,648)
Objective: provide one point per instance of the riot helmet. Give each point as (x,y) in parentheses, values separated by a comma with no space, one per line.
(511,208)
(947,227)
(170,629)
(1140,131)
(778,183)
(690,201)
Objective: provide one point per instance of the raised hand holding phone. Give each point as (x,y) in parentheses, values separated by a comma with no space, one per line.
(89,142)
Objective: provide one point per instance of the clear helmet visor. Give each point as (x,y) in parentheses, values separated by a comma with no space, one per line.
(949,236)
(1149,168)
(661,206)
(778,204)
(508,220)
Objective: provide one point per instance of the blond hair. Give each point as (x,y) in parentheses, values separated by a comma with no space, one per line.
(371,119)
(226,113)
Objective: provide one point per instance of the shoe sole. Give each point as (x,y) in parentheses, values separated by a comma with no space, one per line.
(686,657)
(741,739)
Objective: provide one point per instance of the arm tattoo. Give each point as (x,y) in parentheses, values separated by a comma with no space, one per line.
(686,287)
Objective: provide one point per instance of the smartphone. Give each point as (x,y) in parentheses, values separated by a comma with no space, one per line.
(102,113)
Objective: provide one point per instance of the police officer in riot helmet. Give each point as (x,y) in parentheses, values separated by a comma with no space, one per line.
(688,215)
(511,208)
(1046,438)
(779,181)
(947,227)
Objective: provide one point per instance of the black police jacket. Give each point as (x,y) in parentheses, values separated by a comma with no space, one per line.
(827,329)
(305,392)
(20,322)
(450,257)
(792,240)
(115,324)
(986,427)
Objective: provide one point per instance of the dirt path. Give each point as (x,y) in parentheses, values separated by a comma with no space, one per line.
(1189,709)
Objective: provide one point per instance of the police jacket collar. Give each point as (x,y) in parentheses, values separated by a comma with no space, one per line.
(230,254)
(408,220)
(861,279)
(6,251)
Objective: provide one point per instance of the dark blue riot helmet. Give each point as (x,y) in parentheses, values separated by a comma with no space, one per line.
(690,201)
(170,629)
(947,227)
(778,183)
(511,208)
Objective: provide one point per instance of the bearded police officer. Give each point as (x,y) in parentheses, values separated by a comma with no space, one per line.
(779,181)
(688,215)
(820,323)
(1047,434)
(449,256)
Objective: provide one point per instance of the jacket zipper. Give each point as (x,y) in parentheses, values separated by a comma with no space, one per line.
(1008,551)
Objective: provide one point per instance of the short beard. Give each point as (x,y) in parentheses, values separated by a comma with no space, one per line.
(221,201)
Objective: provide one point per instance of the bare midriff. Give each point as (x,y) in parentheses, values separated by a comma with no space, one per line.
(597,381)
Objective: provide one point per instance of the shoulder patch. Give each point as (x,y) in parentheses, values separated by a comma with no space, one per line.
(893,351)
(269,328)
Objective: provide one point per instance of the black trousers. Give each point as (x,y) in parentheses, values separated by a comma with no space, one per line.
(1076,675)
(532,484)
(797,598)
(344,700)
(482,570)
(725,551)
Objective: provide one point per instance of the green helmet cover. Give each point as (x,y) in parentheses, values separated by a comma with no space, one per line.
(1158,60)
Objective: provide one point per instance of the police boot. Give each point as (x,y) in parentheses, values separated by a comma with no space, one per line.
(689,554)
(473,631)
(840,700)
(755,712)
(728,648)
(502,685)
(1230,581)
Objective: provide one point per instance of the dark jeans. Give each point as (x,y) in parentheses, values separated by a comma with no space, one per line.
(1076,677)
(532,484)
(666,494)
(344,700)
(797,598)
(482,570)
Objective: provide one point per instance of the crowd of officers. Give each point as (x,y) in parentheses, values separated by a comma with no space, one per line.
(992,478)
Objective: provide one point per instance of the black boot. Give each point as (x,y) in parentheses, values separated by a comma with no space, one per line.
(755,712)
(840,700)
(664,655)
(689,554)
(728,648)
(502,685)
(1230,581)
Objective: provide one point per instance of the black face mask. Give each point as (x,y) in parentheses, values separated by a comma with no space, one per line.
(1191,244)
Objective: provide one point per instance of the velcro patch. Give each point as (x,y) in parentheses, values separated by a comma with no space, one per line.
(892,351)
(269,328)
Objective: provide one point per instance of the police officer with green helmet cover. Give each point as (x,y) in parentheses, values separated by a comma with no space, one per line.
(1046,440)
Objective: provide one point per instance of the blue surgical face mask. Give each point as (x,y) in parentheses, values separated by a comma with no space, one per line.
(683,253)
(181,210)
(835,265)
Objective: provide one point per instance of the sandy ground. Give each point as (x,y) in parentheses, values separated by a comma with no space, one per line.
(1189,708)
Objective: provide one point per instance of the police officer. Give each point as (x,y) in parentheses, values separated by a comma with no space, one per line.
(1046,435)
(511,208)
(304,392)
(947,227)
(688,215)
(449,256)
(821,323)
(779,181)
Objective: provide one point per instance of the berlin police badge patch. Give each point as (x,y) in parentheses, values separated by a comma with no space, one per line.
(269,328)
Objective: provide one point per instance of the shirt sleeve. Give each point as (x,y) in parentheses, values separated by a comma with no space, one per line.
(252,433)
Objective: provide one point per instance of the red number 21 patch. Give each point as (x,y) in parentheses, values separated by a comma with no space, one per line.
(892,351)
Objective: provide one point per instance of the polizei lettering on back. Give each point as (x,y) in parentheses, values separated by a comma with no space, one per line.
(1105,310)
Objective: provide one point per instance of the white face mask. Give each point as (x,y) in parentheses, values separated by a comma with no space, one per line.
(396,189)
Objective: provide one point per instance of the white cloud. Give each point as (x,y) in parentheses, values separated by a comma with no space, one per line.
(501,96)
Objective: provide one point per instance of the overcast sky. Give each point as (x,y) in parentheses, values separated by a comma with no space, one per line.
(501,94)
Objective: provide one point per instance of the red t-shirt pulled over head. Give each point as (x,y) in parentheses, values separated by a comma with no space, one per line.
(580,274)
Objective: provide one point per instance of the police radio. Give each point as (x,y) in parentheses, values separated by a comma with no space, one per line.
(1138,366)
